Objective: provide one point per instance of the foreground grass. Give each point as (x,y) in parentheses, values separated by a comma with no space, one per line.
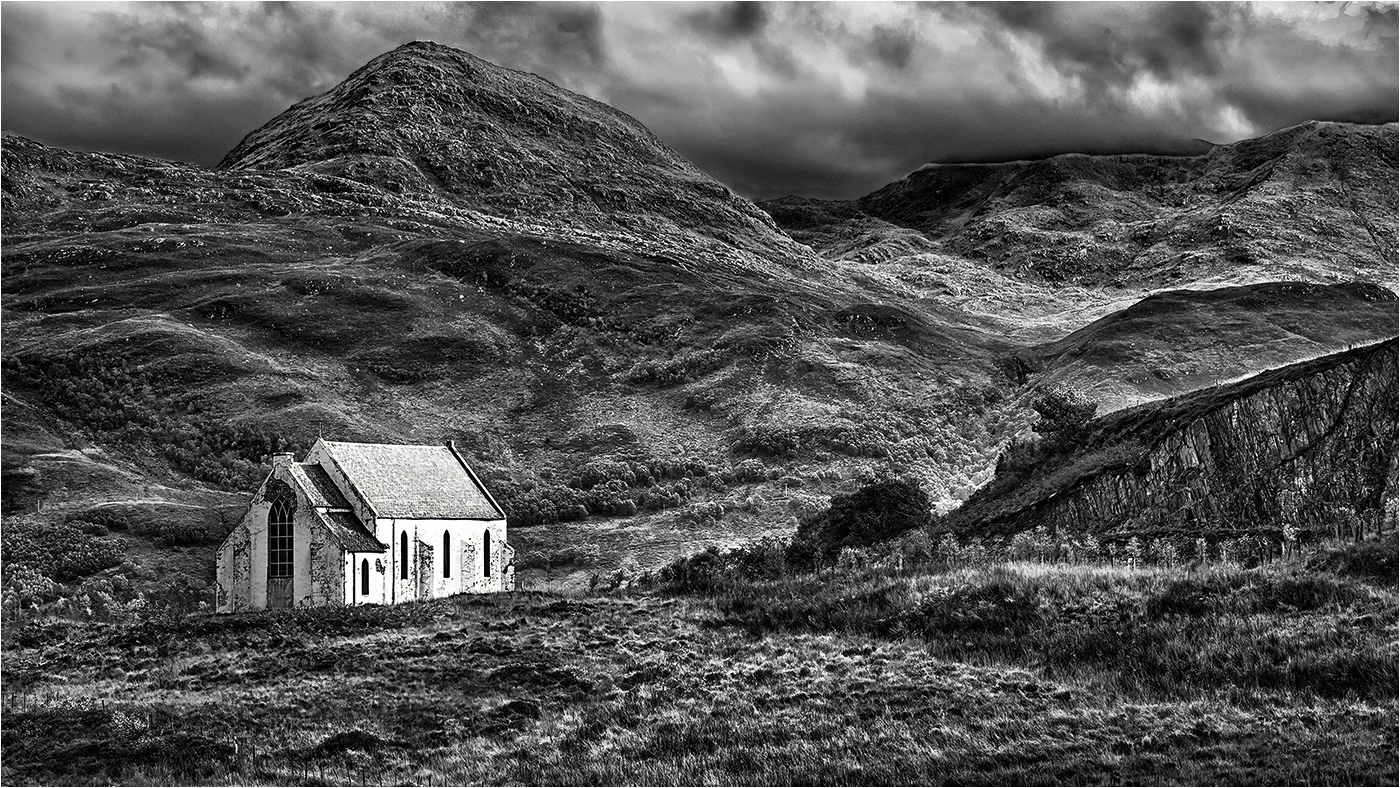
(1148,632)
(835,680)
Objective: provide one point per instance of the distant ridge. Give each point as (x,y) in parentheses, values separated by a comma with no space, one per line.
(1313,202)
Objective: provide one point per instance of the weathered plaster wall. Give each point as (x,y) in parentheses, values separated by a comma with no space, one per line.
(325,565)
(353,568)
(233,572)
(425,578)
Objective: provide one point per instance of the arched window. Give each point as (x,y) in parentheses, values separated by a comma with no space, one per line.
(446,553)
(486,554)
(403,555)
(279,537)
(364,577)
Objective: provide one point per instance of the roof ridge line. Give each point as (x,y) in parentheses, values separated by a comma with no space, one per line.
(364,499)
(452,449)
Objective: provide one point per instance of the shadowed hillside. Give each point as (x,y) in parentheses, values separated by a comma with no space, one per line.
(637,359)
(1311,446)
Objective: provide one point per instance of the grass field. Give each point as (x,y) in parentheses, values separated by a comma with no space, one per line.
(1012,673)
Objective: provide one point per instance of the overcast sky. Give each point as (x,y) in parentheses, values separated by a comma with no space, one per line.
(822,99)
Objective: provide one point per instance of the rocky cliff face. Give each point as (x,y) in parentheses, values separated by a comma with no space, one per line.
(1312,445)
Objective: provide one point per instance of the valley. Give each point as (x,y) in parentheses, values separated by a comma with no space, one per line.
(663,381)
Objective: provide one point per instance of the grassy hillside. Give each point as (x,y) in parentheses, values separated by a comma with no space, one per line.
(910,673)
(634,357)
(1177,341)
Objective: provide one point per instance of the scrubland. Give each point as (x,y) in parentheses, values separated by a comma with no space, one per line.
(896,671)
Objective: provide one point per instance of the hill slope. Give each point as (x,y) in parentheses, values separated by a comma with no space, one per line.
(639,360)
(1307,446)
(1176,341)
(1315,202)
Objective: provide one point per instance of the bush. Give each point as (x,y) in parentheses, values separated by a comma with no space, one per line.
(702,515)
(190,533)
(1375,560)
(1064,415)
(781,441)
(684,368)
(873,514)
(713,569)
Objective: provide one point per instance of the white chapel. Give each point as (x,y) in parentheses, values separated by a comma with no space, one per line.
(365,524)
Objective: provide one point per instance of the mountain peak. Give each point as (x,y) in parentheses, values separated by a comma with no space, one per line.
(431,121)
(409,98)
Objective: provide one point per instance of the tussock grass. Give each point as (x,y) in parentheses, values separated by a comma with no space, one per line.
(1017,673)
(1150,632)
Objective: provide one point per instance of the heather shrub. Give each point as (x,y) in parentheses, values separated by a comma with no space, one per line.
(1374,560)
(683,368)
(128,404)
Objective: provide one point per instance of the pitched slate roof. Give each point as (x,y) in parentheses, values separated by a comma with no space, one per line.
(350,533)
(322,493)
(412,481)
(317,485)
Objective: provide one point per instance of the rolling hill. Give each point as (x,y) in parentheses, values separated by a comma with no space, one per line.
(636,358)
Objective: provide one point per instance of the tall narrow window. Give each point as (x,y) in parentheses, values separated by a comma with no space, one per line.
(446,553)
(486,554)
(364,577)
(403,555)
(279,537)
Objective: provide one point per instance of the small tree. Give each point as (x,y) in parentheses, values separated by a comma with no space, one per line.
(1064,416)
(873,514)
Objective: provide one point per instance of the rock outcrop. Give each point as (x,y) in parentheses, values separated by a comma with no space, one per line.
(1311,445)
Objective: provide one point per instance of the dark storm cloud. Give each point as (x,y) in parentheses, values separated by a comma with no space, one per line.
(729,20)
(828,99)
(893,47)
(1111,44)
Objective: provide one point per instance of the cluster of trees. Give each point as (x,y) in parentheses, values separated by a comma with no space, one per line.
(58,551)
(785,441)
(680,369)
(873,514)
(612,486)
(1065,418)
(126,405)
